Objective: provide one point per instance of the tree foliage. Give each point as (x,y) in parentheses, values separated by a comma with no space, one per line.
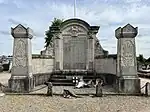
(49,34)
(142,60)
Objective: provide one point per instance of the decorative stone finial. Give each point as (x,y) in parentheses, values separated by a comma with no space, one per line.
(21,31)
(128,31)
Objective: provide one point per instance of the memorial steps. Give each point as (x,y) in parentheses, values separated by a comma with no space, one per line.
(70,79)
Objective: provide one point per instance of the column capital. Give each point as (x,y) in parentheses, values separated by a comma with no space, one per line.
(91,34)
(128,31)
(94,29)
(54,29)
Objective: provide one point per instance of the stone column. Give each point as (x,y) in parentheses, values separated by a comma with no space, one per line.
(126,60)
(91,50)
(57,49)
(21,75)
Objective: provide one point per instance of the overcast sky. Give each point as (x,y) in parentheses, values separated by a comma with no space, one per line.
(108,14)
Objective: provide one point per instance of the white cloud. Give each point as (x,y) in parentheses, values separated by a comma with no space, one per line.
(109,14)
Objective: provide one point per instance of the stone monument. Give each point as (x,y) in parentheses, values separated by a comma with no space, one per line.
(126,60)
(21,74)
(74,44)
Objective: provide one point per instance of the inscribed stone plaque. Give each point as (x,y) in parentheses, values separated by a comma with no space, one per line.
(74,52)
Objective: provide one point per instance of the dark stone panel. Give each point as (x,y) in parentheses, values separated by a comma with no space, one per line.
(41,78)
(130,86)
(21,85)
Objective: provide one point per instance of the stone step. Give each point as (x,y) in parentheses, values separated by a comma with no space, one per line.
(59,76)
(62,84)
(60,80)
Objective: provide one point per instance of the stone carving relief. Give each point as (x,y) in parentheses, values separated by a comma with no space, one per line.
(19,53)
(57,43)
(74,30)
(90,34)
(127,54)
(98,48)
(49,50)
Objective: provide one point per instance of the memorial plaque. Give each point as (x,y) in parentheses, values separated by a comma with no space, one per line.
(74,52)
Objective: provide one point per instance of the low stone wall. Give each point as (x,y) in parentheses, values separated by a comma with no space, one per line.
(42,64)
(42,67)
(106,65)
(41,78)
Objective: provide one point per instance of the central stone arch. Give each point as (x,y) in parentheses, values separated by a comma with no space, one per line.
(74,45)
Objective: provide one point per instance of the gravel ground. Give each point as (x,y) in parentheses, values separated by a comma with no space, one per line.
(37,103)
(4,76)
(12,103)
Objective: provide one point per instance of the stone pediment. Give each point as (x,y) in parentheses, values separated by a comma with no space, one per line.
(77,26)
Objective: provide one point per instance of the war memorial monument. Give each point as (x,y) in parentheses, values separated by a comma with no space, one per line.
(76,51)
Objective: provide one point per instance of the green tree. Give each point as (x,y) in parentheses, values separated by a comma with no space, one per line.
(49,34)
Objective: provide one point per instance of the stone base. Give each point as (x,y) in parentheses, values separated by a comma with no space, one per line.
(21,84)
(129,85)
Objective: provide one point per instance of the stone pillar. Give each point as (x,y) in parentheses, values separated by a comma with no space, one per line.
(57,54)
(21,74)
(126,60)
(91,50)
(58,49)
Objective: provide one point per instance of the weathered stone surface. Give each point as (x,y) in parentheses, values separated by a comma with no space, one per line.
(130,85)
(105,65)
(42,65)
(21,78)
(75,46)
(20,84)
(126,60)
